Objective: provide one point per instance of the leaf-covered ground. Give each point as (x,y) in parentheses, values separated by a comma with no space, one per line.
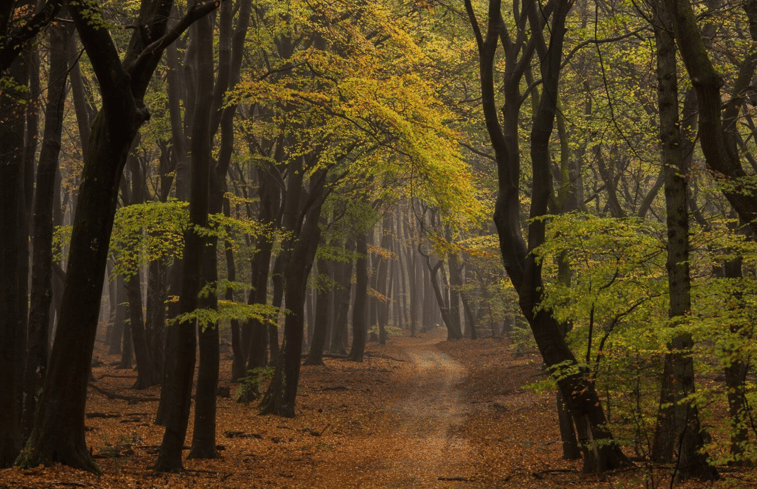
(419,412)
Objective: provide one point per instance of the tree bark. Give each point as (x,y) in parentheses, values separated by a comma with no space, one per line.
(678,426)
(359,330)
(42,267)
(599,449)
(12,119)
(59,428)
(343,278)
(315,355)
(181,377)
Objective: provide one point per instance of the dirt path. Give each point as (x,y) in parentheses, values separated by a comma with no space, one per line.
(422,447)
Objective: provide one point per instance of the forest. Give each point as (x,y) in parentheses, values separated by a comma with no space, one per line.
(379,243)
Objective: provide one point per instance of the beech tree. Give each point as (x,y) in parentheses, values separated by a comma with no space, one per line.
(678,429)
(522,267)
(58,434)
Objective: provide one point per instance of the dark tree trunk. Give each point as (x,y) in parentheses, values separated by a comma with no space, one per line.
(280,400)
(59,428)
(155,326)
(42,267)
(204,434)
(12,332)
(277,280)
(599,449)
(147,375)
(119,318)
(237,364)
(735,374)
(678,425)
(204,437)
(176,93)
(343,278)
(127,350)
(359,330)
(181,377)
(315,355)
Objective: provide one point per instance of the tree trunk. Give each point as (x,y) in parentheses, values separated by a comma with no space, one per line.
(119,318)
(600,451)
(177,419)
(42,270)
(59,428)
(280,400)
(678,425)
(315,355)
(155,326)
(361,297)
(147,376)
(11,321)
(343,278)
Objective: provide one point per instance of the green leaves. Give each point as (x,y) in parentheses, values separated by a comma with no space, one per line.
(227,311)
(148,232)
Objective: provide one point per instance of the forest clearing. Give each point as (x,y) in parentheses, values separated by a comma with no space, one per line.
(418,412)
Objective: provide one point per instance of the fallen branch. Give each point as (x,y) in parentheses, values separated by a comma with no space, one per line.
(336,388)
(113,395)
(102,415)
(457,479)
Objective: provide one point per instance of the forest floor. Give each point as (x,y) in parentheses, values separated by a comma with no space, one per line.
(418,412)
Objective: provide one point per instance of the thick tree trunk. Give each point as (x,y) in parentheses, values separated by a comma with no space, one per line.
(600,451)
(11,320)
(678,423)
(204,434)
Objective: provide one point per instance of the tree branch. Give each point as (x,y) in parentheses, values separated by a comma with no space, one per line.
(156,48)
(16,40)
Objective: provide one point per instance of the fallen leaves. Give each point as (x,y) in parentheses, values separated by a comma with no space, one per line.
(409,416)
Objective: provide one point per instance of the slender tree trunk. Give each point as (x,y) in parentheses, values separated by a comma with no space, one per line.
(42,270)
(315,355)
(361,297)
(155,326)
(147,376)
(277,280)
(169,457)
(280,400)
(343,278)
(119,318)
